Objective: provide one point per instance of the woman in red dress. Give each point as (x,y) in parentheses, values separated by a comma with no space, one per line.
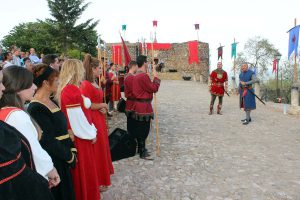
(75,107)
(115,89)
(90,89)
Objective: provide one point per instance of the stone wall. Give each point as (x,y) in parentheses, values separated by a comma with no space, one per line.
(176,58)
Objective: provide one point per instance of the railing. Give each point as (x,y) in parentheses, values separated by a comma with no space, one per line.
(271,95)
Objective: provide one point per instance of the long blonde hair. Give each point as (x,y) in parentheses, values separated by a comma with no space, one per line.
(72,72)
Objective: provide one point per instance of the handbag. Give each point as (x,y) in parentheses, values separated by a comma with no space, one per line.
(121,105)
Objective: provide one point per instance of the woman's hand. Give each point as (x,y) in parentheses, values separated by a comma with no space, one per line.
(103,110)
(53,177)
(71,135)
(94,140)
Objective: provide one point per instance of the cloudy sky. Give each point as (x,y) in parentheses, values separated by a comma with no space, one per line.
(220,21)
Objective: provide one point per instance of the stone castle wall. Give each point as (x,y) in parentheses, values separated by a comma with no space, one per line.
(175,58)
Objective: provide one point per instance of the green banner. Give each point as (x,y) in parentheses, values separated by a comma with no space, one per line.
(233,50)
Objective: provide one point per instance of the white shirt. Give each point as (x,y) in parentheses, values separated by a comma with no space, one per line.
(22,122)
(80,125)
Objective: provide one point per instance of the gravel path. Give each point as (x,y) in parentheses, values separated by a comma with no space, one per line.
(212,157)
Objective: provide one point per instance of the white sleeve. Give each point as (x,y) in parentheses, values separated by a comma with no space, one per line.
(80,125)
(22,122)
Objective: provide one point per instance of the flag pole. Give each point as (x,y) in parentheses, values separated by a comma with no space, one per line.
(295,61)
(155,109)
(103,76)
(234,68)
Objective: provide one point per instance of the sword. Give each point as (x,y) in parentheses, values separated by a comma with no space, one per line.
(226,93)
(256,96)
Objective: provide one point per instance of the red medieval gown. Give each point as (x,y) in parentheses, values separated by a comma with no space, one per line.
(102,150)
(85,183)
(115,88)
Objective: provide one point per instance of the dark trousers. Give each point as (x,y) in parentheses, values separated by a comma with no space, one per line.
(213,99)
(130,126)
(140,131)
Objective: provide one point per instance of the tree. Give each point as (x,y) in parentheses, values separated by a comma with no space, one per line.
(32,34)
(259,53)
(287,71)
(65,14)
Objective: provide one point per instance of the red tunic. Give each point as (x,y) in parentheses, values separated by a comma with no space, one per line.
(143,89)
(128,93)
(217,79)
(115,88)
(86,186)
(102,150)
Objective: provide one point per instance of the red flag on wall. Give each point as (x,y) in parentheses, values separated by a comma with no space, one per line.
(127,57)
(158,46)
(117,54)
(274,65)
(193,50)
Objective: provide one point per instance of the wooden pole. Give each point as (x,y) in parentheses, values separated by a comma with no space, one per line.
(103,76)
(155,111)
(295,61)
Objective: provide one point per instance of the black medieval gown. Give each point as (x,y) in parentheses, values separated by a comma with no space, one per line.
(57,142)
(18,178)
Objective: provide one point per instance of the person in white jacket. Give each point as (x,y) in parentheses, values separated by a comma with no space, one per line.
(19,88)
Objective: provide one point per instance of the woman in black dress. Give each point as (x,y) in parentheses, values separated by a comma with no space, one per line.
(56,139)
(18,178)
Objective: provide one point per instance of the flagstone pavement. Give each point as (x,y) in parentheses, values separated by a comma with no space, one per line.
(212,157)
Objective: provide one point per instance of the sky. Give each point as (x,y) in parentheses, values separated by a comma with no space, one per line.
(220,21)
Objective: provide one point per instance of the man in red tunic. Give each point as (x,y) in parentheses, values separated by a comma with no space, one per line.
(129,95)
(143,89)
(217,79)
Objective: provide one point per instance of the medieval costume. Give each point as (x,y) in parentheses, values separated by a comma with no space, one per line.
(247,98)
(129,101)
(22,122)
(56,141)
(84,174)
(143,89)
(115,89)
(217,79)
(101,147)
(18,177)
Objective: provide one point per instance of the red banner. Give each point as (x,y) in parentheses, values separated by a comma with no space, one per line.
(117,54)
(274,65)
(193,50)
(127,57)
(158,46)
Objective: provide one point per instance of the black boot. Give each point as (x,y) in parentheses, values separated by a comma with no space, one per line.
(219,109)
(142,150)
(246,122)
(211,107)
(243,120)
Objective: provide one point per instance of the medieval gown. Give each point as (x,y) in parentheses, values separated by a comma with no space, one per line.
(115,88)
(56,141)
(18,177)
(84,174)
(102,149)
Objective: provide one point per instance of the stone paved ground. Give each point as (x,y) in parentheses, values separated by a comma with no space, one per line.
(212,157)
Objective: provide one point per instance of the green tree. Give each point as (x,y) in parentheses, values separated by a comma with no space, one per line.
(67,33)
(32,34)
(259,53)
